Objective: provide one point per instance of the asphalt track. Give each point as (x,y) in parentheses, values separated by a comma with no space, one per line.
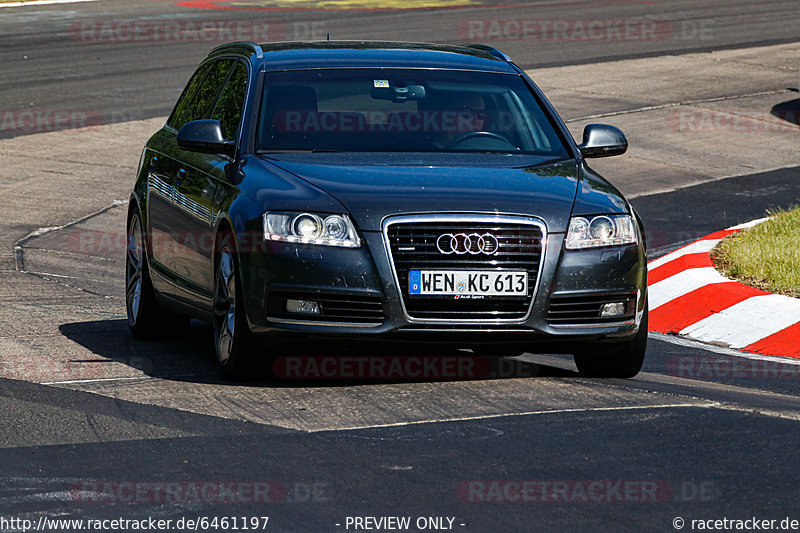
(713,434)
(85,56)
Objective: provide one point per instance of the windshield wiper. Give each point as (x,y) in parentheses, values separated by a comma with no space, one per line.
(547,162)
(300,151)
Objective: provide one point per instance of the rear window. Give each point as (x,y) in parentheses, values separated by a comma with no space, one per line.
(403,110)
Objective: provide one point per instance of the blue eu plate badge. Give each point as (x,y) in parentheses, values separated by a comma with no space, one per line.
(415,282)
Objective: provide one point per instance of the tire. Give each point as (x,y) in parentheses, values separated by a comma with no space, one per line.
(234,343)
(146,319)
(624,361)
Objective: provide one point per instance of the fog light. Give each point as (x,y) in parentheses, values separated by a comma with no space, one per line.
(612,309)
(308,307)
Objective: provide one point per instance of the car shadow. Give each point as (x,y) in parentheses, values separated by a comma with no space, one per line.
(788,111)
(190,356)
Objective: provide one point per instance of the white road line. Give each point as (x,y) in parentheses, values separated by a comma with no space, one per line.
(43,3)
(19,246)
(106,380)
(74,381)
(704,246)
(55,496)
(706,405)
(61,276)
(748,321)
(683,283)
(691,343)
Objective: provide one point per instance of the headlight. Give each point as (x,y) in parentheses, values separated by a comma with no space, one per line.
(605,230)
(311,228)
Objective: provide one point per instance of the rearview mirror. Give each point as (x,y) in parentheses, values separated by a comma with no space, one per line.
(205,136)
(601,140)
(398,93)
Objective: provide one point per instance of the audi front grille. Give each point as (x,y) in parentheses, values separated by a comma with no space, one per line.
(477,242)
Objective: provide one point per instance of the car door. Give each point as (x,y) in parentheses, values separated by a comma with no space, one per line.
(198,180)
(162,176)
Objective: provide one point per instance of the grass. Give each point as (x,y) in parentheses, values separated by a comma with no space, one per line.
(766,256)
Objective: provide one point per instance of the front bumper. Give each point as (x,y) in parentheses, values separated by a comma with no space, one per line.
(364,278)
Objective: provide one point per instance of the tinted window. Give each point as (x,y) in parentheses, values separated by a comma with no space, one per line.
(176,118)
(402,110)
(207,93)
(231,101)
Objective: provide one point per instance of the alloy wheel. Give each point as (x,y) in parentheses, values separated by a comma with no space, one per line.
(134,269)
(225,306)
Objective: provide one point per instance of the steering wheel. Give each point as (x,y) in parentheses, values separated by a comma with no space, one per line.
(476,135)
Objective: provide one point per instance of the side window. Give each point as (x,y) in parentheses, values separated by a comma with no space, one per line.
(176,118)
(208,91)
(231,102)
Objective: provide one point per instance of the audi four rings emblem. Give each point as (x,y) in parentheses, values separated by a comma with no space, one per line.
(461,243)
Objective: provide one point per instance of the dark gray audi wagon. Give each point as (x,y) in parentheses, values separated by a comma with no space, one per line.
(383,191)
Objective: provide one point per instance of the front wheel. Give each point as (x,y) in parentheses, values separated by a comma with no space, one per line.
(625,361)
(233,339)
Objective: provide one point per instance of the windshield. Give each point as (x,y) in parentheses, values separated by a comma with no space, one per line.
(403,110)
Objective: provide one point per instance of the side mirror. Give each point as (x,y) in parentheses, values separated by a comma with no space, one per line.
(601,140)
(205,136)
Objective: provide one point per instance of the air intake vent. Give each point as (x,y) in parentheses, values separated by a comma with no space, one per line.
(571,309)
(333,308)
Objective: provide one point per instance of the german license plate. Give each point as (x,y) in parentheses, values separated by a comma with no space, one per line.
(468,282)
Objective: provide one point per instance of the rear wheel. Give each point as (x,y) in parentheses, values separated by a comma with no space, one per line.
(625,361)
(233,339)
(146,319)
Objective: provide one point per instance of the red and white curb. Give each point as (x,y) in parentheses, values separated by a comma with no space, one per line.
(689,297)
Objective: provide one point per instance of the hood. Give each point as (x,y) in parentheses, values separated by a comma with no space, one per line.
(374,186)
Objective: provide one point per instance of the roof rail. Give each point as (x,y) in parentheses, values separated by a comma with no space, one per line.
(242,44)
(492,50)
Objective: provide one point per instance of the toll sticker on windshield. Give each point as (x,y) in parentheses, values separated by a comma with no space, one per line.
(381,83)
